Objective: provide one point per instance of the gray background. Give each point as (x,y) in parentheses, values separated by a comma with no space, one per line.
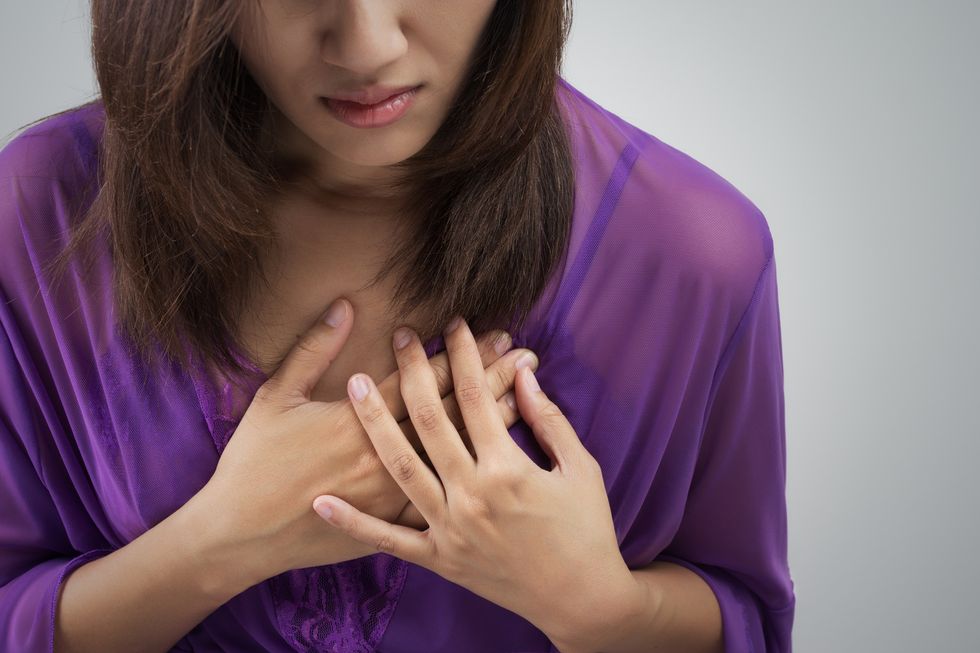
(853,126)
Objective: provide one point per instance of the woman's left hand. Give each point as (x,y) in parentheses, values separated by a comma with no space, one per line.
(539,543)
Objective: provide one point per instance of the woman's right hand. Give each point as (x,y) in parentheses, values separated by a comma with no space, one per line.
(288,449)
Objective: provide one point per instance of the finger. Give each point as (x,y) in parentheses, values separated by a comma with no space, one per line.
(417,481)
(500,377)
(418,385)
(478,406)
(400,541)
(551,428)
(508,409)
(507,405)
(492,344)
(316,349)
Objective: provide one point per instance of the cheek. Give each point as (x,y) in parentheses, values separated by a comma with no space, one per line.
(276,70)
(271,53)
(466,22)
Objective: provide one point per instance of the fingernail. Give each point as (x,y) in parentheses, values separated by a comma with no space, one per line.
(323,509)
(336,314)
(509,398)
(503,344)
(455,323)
(526,359)
(402,337)
(358,386)
(532,382)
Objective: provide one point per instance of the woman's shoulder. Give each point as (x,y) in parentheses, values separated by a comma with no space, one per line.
(653,207)
(46,172)
(56,147)
(48,175)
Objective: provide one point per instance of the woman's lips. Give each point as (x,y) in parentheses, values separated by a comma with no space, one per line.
(379,114)
(372,94)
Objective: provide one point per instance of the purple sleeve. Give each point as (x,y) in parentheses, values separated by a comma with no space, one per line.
(734,531)
(666,356)
(36,551)
(35,557)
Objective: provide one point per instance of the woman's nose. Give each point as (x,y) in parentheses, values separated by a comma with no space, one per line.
(364,37)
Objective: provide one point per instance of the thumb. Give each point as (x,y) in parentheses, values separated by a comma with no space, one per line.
(551,428)
(312,354)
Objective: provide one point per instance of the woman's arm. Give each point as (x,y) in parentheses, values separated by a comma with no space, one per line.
(678,613)
(141,597)
(167,581)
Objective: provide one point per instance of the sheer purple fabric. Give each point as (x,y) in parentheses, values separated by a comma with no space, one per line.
(658,336)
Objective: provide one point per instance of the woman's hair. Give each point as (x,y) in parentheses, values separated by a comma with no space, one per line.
(187,170)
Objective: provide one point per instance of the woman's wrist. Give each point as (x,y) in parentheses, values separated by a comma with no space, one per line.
(226,565)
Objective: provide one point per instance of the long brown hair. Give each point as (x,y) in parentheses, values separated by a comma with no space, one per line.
(187,169)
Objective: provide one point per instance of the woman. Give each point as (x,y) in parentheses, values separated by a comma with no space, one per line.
(177,416)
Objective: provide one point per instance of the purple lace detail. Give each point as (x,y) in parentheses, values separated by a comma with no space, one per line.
(342,608)
(223,402)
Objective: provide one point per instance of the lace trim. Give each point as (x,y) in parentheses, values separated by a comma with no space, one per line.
(342,608)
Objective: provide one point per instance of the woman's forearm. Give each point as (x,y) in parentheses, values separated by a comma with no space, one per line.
(676,611)
(148,594)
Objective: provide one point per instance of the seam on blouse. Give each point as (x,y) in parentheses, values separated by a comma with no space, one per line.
(569,286)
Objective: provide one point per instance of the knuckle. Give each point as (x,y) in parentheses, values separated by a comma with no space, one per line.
(469,392)
(403,466)
(550,411)
(444,378)
(384,544)
(456,348)
(412,363)
(311,344)
(425,416)
(373,414)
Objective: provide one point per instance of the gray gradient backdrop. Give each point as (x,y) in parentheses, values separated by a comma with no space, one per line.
(853,126)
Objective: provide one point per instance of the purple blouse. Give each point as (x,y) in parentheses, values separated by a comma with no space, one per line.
(658,336)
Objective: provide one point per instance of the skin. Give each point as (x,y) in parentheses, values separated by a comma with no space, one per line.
(301,50)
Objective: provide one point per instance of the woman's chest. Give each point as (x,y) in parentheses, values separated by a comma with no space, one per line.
(276,320)
(323,256)
(141,424)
